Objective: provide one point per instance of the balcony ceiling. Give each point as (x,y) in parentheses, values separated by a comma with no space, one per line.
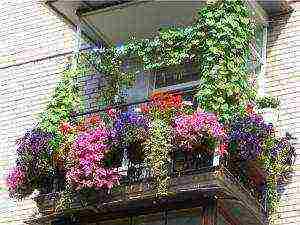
(115,21)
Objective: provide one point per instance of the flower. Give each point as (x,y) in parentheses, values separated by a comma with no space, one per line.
(33,142)
(94,120)
(191,129)
(16,178)
(166,101)
(65,128)
(86,167)
(129,127)
(249,133)
(112,113)
(249,109)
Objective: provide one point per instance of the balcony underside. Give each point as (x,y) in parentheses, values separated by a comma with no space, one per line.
(186,191)
(118,20)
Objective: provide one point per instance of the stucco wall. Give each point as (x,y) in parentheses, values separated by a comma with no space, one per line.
(34,44)
(283,81)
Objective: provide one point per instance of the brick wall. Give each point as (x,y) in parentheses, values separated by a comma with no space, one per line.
(283,81)
(34,43)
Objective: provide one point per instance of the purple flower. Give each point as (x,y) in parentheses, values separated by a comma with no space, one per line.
(34,142)
(128,126)
(249,133)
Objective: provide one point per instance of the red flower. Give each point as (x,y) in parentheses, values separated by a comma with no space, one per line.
(222,149)
(94,119)
(145,108)
(81,127)
(249,109)
(65,128)
(112,113)
(164,101)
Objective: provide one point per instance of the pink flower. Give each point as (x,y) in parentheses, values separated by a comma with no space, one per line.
(86,160)
(16,178)
(189,129)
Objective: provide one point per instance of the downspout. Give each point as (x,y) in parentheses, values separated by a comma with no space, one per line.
(261,76)
(77,43)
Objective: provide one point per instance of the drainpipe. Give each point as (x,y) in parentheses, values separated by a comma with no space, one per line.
(77,43)
(261,76)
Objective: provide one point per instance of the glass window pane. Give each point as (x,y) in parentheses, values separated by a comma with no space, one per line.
(185,217)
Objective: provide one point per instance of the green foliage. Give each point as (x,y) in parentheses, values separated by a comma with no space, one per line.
(267,102)
(218,43)
(225,87)
(65,101)
(157,149)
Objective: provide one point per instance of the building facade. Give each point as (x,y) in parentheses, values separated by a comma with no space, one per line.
(37,39)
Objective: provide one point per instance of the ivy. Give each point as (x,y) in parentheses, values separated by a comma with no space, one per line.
(65,101)
(157,149)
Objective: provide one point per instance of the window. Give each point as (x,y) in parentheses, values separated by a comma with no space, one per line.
(170,79)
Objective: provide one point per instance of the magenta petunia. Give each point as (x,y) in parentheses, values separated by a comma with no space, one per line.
(86,169)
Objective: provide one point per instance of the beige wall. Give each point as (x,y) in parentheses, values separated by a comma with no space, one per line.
(283,81)
(31,37)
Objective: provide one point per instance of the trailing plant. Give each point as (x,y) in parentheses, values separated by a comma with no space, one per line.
(267,102)
(160,110)
(65,102)
(157,149)
(32,165)
(277,160)
(225,85)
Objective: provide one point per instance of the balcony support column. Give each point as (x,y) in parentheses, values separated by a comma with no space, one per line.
(209,213)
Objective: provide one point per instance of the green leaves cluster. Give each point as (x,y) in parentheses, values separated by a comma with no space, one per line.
(267,102)
(65,101)
(225,85)
(218,42)
(157,149)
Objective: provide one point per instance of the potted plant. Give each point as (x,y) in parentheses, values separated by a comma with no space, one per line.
(33,164)
(199,132)
(129,133)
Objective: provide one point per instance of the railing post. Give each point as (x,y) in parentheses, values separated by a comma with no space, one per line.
(209,213)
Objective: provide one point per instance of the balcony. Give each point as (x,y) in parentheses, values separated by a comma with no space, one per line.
(194,182)
(197,179)
(157,134)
